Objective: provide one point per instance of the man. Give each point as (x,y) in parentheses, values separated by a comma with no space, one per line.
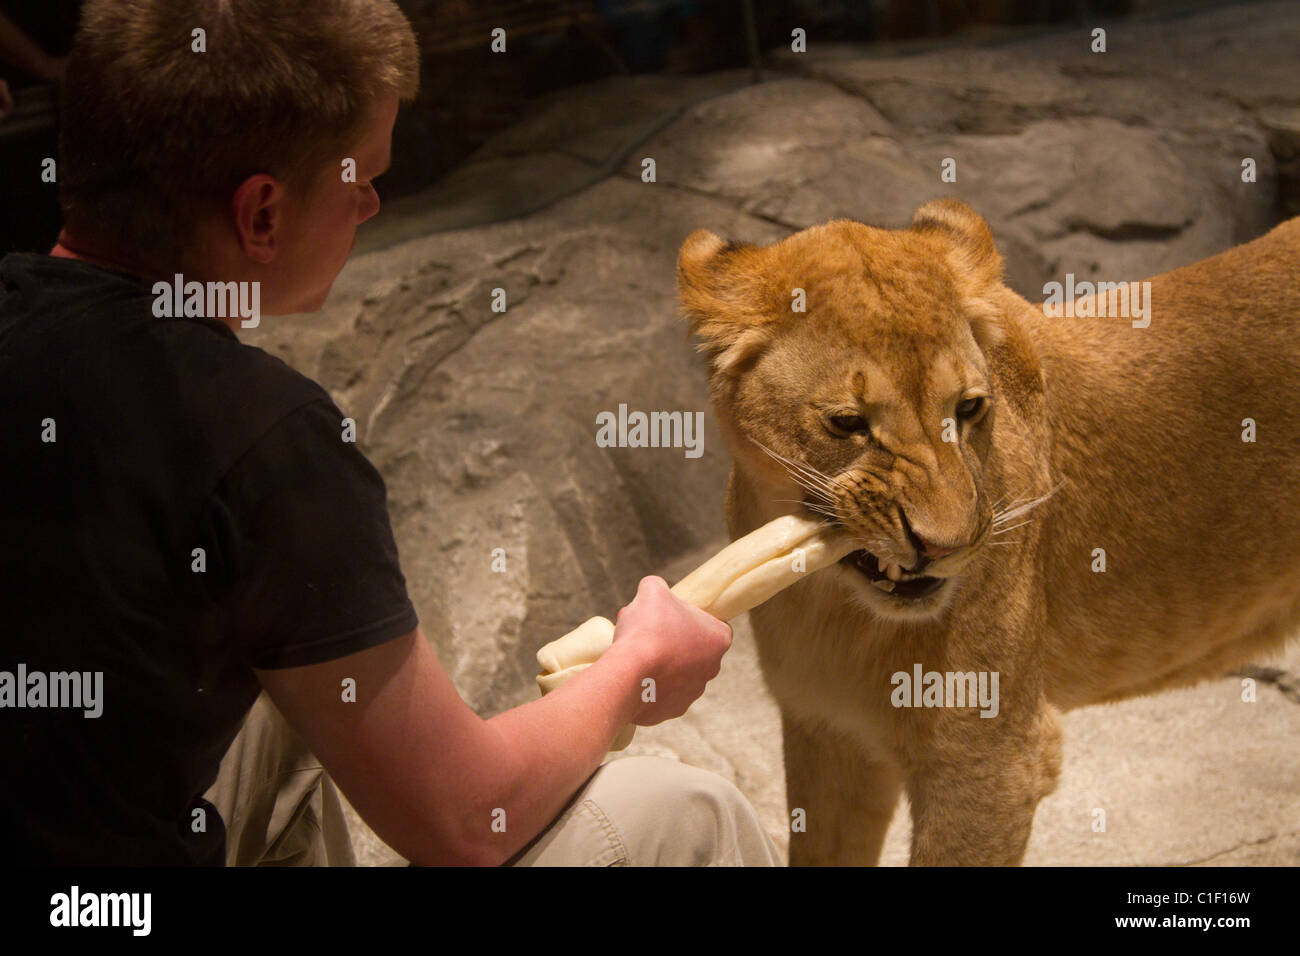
(183,523)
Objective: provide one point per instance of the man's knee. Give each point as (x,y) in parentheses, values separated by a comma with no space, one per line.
(672,814)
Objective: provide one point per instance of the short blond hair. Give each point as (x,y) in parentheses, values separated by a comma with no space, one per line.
(155,135)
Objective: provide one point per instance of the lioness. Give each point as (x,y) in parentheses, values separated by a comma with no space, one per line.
(1066,510)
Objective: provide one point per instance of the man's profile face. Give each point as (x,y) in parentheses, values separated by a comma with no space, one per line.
(320,229)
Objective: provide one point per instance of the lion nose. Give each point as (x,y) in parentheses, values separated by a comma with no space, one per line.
(924,546)
(933,551)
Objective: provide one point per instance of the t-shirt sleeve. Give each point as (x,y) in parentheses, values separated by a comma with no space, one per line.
(313,564)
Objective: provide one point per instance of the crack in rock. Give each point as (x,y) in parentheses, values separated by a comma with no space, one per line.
(1261,841)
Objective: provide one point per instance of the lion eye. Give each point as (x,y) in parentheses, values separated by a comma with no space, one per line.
(850,423)
(970,407)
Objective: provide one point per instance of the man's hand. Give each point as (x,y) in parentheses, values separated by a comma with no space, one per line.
(680,648)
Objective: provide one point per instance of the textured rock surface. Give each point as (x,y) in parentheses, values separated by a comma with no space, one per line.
(483,423)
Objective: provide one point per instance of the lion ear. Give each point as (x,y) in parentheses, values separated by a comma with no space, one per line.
(974,249)
(720,288)
(976,263)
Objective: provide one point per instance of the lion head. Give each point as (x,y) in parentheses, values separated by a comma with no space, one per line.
(851,375)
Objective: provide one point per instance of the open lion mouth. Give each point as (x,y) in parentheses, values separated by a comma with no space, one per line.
(907,586)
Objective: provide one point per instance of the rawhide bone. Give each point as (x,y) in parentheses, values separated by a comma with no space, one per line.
(741,576)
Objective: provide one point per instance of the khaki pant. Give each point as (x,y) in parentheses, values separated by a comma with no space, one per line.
(281,809)
(279,806)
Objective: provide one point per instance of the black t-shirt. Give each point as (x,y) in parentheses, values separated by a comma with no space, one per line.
(176,509)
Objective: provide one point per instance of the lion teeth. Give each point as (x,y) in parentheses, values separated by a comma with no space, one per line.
(895,572)
(881,565)
(886,586)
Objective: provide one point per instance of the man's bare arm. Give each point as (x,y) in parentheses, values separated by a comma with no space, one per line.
(426,772)
(429,775)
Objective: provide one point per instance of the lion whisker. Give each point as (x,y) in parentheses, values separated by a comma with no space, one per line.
(822,481)
(806,482)
(1013,527)
(1015,511)
(810,505)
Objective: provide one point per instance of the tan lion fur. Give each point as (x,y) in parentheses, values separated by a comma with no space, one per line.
(1141,429)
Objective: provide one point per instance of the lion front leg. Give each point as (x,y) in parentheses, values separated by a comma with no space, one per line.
(840,800)
(974,805)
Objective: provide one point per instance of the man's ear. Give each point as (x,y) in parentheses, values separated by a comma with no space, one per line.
(974,259)
(721,289)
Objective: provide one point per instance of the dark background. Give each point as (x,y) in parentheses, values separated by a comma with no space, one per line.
(468,93)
